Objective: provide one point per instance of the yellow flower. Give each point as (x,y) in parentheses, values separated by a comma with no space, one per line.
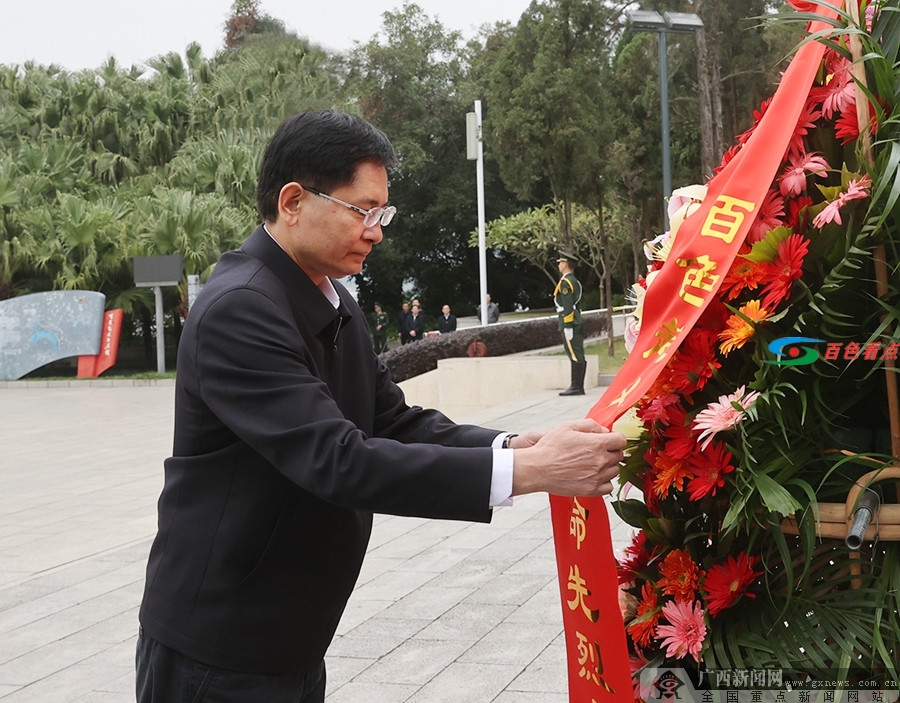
(742,326)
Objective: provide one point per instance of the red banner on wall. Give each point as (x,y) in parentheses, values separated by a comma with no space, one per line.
(706,244)
(91,366)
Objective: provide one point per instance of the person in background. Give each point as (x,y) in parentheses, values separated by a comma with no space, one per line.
(379,331)
(446,321)
(290,434)
(416,323)
(567,299)
(403,323)
(493,310)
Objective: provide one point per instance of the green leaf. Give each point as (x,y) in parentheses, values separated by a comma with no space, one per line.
(775,497)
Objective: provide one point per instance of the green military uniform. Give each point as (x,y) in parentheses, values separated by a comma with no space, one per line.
(379,333)
(567,299)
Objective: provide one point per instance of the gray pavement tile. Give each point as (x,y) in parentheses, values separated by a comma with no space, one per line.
(434,560)
(80,681)
(376,636)
(513,591)
(471,573)
(375,566)
(372,693)
(543,607)
(342,670)
(511,643)
(429,601)
(528,697)
(546,675)
(416,661)
(471,683)
(468,622)
(359,610)
(392,585)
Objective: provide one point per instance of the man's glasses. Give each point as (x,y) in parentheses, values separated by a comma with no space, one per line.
(377,215)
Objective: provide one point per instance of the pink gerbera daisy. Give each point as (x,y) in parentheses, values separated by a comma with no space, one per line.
(771,215)
(841,89)
(723,414)
(793,179)
(687,631)
(856,189)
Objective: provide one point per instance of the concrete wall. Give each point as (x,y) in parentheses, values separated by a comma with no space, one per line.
(460,386)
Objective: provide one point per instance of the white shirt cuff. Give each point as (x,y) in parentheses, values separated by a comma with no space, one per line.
(502,475)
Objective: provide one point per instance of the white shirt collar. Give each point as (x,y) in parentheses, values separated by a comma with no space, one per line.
(326,286)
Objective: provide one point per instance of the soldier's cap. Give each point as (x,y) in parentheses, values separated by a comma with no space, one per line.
(566,256)
(377,304)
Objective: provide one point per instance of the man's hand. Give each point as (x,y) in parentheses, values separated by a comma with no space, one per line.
(569,333)
(577,458)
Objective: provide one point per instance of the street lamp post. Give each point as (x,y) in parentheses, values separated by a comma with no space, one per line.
(475,152)
(662,24)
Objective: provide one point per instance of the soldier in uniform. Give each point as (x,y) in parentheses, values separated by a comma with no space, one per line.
(567,299)
(379,334)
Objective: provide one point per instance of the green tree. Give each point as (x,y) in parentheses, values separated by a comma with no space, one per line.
(546,106)
(408,80)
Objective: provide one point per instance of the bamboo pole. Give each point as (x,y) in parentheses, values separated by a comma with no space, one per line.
(858,71)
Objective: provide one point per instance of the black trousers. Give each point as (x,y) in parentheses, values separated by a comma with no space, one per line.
(165,676)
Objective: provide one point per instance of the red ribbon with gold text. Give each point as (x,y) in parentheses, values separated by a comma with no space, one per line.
(705,246)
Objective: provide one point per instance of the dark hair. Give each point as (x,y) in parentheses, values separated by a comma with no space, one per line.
(320,149)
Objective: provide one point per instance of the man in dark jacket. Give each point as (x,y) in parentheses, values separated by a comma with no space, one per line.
(403,323)
(289,434)
(446,321)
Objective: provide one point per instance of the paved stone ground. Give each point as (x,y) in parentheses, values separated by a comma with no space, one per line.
(444,611)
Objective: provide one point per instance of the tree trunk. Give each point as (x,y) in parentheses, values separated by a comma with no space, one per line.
(709,84)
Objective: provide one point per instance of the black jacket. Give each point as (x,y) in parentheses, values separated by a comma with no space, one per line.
(447,324)
(289,433)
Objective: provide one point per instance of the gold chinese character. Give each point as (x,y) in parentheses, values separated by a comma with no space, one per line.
(700,276)
(665,335)
(578,523)
(591,662)
(578,586)
(623,396)
(723,222)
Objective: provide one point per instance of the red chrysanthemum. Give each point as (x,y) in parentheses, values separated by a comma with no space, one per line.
(726,582)
(695,362)
(798,213)
(784,270)
(727,157)
(679,433)
(635,558)
(709,467)
(679,576)
(643,628)
(654,408)
(744,274)
(714,316)
(669,472)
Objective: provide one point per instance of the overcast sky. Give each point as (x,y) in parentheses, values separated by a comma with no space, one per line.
(79,34)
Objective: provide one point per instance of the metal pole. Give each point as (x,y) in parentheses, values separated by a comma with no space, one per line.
(664,109)
(482,254)
(160,326)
